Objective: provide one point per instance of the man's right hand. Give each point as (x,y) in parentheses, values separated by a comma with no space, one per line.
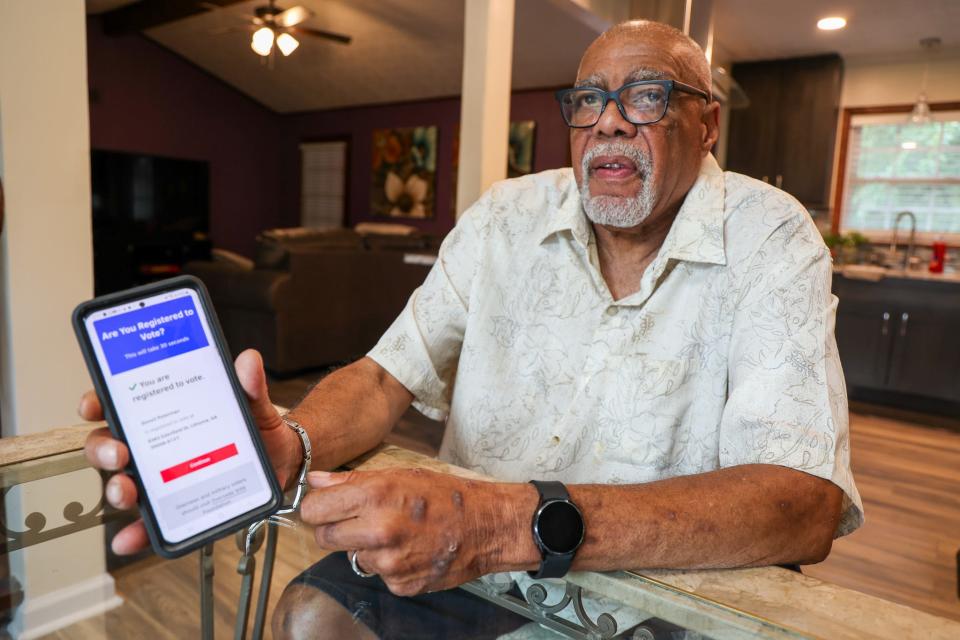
(103,451)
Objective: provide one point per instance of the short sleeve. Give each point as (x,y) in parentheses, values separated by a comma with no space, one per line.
(787,401)
(422,346)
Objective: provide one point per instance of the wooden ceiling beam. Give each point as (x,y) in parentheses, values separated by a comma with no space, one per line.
(145,14)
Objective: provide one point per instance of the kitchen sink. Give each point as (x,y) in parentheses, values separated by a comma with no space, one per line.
(870,272)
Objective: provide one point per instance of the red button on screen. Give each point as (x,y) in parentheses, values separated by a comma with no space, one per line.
(199,462)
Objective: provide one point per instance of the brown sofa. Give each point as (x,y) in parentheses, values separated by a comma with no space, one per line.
(314,298)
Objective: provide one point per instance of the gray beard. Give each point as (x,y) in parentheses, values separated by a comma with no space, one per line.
(617,211)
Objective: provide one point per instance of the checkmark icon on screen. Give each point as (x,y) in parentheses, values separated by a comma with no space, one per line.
(134,386)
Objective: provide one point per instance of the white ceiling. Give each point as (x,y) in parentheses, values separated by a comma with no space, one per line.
(402,50)
(767,29)
(412,49)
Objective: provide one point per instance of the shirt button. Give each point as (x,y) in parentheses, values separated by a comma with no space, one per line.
(612,311)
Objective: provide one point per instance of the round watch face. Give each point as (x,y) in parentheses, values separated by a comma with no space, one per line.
(560,527)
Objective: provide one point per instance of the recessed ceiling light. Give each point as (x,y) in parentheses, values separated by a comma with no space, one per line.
(831,24)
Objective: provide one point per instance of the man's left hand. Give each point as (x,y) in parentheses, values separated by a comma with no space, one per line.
(419,530)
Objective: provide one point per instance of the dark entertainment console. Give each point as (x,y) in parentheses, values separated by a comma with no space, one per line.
(123,260)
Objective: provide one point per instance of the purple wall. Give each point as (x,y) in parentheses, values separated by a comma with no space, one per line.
(356,124)
(147,100)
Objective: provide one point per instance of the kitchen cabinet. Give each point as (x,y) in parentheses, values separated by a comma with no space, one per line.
(899,340)
(786,135)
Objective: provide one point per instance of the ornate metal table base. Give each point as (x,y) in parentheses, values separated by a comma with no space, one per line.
(34,529)
(248,545)
(535,608)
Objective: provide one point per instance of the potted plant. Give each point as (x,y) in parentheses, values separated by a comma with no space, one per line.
(860,245)
(834,242)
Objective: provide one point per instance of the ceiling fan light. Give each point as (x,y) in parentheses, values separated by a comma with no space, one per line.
(287,43)
(831,24)
(262,41)
(292,16)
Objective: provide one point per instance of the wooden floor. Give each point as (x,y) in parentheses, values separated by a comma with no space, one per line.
(908,475)
(906,551)
(161,597)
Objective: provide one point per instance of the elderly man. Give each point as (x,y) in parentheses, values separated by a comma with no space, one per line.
(644,328)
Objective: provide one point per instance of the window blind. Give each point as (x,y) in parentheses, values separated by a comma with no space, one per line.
(323,167)
(893,166)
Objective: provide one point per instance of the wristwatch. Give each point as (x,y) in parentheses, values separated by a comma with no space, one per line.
(558,529)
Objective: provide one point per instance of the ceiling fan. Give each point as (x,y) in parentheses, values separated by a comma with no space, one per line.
(272,25)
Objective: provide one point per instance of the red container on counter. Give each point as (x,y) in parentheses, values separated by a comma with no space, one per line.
(939,256)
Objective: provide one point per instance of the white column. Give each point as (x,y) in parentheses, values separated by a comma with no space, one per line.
(46,268)
(485,102)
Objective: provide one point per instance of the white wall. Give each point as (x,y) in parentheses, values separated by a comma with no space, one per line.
(46,268)
(877,81)
(46,259)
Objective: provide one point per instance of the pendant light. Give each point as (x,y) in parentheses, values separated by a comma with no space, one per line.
(921,109)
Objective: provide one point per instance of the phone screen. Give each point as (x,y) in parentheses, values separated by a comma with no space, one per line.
(193,451)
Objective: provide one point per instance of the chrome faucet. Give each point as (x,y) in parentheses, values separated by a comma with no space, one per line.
(896,232)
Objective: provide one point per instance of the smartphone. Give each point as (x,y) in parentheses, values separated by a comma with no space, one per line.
(164,375)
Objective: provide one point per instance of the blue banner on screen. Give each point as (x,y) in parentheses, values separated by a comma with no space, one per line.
(155,333)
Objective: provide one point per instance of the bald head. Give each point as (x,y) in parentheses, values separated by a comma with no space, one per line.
(679,48)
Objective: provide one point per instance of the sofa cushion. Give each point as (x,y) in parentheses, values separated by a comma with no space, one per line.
(273,245)
(395,243)
(234,287)
(231,258)
(385,229)
(307,235)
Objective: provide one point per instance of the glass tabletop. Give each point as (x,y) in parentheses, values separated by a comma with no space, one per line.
(56,527)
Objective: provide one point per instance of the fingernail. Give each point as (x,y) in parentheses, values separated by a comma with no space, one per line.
(107,454)
(114,494)
(318,478)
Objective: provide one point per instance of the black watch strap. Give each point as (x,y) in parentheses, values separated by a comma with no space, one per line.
(551,490)
(552,565)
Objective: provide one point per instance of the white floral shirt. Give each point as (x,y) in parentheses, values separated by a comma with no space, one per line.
(724,356)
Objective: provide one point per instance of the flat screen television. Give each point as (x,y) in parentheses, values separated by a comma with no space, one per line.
(149,193)
(150,215)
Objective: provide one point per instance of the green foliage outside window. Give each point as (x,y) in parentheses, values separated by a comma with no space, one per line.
(904,167)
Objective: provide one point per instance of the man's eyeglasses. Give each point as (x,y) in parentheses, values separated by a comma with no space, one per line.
(643,102)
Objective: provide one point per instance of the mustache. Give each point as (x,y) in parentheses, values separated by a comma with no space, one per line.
(639,158)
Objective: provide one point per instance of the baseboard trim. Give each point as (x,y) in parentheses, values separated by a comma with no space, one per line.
(55,610)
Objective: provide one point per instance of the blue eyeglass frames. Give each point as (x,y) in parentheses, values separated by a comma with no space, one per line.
(642,102)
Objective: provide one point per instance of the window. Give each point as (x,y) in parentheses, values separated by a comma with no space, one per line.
(893,166)
(323,175)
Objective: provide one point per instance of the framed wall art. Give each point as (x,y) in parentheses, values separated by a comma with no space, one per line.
(404,169)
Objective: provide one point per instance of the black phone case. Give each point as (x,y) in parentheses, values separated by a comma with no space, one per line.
(161,546)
